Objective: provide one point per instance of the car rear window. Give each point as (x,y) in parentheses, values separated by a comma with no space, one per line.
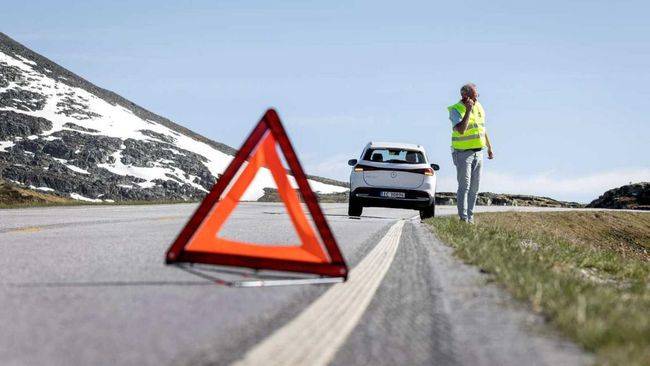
(388,155)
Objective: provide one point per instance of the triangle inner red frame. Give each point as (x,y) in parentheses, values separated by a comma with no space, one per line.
(194,242)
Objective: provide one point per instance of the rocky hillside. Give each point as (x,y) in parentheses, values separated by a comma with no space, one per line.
(272,195)
(632,196)
(61,134)
(449,198)
(502,199)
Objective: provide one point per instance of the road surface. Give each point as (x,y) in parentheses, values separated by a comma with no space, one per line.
(87,285)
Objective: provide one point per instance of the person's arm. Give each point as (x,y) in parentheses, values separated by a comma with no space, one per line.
(489,146)
(462,126)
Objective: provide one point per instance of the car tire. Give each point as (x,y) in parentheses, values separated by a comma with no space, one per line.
(354,207)
(428,212)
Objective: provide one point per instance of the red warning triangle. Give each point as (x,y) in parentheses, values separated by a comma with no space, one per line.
(199,241)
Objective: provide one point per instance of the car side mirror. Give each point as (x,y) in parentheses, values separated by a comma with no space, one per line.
(352,162)
(435,167)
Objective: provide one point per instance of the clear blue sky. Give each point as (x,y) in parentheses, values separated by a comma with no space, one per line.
(565,84)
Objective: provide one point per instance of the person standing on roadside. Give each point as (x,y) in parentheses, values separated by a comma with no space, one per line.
(468,139)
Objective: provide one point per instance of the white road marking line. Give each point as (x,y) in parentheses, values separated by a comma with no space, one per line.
(314,336)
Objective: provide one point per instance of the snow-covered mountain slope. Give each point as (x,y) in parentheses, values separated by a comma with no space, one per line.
(60,133)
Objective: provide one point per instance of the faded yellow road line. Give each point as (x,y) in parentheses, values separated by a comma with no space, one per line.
(26,229)
(314,336)
(169,218)
(35,229)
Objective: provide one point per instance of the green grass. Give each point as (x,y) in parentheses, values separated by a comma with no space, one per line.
(588,273)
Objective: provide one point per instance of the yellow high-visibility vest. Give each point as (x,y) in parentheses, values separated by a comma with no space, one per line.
(474,136)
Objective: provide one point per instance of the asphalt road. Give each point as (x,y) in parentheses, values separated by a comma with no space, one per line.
(87,285)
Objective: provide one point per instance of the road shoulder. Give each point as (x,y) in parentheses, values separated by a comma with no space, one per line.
(433,309)
(490,327)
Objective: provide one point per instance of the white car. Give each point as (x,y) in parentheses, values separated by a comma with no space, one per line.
(390,174)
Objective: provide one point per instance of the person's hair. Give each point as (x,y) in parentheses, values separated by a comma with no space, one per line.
(464,90)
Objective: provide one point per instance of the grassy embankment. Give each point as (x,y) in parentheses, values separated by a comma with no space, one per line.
(14,196)
(588,273)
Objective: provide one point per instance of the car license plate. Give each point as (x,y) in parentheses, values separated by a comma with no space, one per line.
(393,194)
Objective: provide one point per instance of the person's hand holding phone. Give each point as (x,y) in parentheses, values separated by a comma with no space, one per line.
(469,103)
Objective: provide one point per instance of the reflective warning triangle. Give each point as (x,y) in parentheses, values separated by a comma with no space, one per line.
(199,241)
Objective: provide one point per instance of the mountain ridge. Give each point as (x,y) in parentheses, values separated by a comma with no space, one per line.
(61,133)
(9,44)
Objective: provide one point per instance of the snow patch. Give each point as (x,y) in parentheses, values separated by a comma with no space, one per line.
(325,188)
(173,150)
(79,197)
(71,167)
(77,169)
(150,173)
(4,145)
(147,185)
(25,60)
(45,189)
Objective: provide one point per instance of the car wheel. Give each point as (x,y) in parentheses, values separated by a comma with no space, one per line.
(428,212)
(354,208)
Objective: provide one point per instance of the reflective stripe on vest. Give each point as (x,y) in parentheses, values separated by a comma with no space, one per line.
(474,136)
(466,137)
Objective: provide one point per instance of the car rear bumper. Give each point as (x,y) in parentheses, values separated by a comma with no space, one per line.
(371,197)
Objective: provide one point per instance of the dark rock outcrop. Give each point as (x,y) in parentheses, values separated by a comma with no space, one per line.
(158,136)
(21,125)
(79,128)
(449,198)
(499,199)
(632,197)
(22,99)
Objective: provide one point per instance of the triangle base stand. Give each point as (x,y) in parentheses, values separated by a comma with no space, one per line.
(287,282)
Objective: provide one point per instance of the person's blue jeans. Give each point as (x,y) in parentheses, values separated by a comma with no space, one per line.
(468,172)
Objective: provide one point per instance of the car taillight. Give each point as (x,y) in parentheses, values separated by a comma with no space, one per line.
(427,171)
(358,168)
